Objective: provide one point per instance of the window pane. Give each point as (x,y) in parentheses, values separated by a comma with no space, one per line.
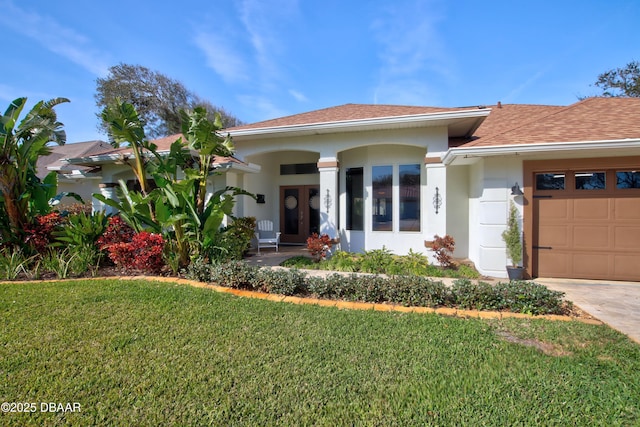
(410,197)
(590,181)
(355,199)
(550,181)
(628,179)
(299,169)
(382,181)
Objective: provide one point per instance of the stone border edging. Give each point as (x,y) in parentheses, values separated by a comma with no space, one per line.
(444,311)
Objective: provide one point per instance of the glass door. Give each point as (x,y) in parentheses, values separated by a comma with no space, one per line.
(299,212)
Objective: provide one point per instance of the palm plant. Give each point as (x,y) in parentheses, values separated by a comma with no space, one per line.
(178,207)
(125,127)
(22,194)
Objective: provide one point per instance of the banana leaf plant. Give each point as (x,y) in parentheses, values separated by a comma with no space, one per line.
(22,193)
(179,206)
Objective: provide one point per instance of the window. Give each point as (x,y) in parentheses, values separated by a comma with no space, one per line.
(590,181)
(382,200)
(627,179)
(550,181)
(409,197)
(355,199)
(299,169)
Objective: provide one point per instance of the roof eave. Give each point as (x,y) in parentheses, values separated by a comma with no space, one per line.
(238,167)
(106,158)
(456,153)
(429,119)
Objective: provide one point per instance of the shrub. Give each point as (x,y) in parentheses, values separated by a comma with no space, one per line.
(465,271)
(283,282)
(417,291)
(376,261)
(81,229)
(443,250)
(469,295)
(367,288)
(404,290)
(199,269)
(338,286)
(143,253)
(320,287)
(299,261)
(341,261)
(117,231)
(528,297)
(512,236)
(318,246)
(413,263)
(235,274)
(39,234)
(234,241)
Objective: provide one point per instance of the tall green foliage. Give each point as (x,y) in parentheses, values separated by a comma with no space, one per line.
(512,236)
(22,193)
(179,207)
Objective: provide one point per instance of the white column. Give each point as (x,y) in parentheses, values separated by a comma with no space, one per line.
(436,201)
(108,190)
(328,167)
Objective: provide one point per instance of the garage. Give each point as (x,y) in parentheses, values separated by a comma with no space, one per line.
(585,218)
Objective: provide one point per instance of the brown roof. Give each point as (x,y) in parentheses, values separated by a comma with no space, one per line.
(347,112)
(59,152)
(592,119)
(163,144)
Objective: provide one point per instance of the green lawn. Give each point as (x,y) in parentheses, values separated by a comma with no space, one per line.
(148,353)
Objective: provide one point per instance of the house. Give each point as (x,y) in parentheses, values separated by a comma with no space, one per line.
(390,176)
(78,179)
(395,176)
(113,165)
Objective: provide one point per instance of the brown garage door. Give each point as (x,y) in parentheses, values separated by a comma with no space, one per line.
(587,224)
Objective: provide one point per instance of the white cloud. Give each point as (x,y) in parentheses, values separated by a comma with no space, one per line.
(299,96)
(411,50)
(513,95)
(220,57)
(55,37)
(406,92)
(263,22)
(261,107)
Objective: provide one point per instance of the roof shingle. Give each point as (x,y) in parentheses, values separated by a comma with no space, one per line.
(346,112)
(592,119)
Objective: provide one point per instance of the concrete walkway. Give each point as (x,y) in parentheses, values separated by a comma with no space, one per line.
(615,303)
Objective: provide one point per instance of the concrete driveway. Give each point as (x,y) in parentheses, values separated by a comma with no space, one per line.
(615,303)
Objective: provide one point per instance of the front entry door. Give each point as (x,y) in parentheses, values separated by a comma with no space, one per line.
(299,212)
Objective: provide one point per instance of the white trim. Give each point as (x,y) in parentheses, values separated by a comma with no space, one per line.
(240,167)
(363,124)
(483,151)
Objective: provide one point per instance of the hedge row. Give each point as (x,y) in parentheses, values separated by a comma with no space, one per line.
(515,296)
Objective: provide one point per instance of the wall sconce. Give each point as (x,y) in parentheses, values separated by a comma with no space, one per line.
(437,200)
(327,200)
(516,191)
(260,198)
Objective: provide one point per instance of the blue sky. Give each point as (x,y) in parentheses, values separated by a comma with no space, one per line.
(261,59)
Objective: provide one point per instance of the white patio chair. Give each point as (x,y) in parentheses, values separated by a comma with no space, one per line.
(267,237)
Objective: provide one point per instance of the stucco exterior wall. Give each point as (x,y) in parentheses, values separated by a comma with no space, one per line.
(489,204)
(84,187)
(357,149)
(269,180)
(457,192)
